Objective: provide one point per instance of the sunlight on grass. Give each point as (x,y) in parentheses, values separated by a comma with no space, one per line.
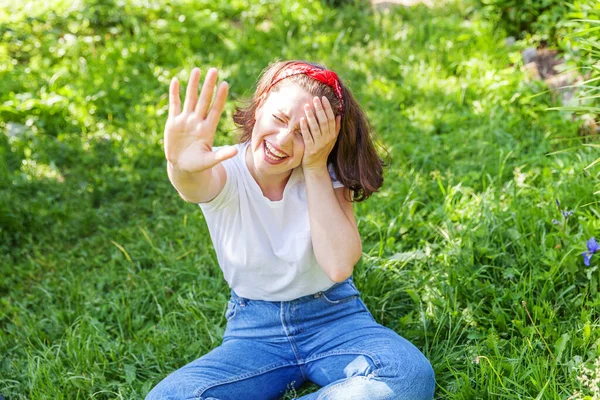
(109,280)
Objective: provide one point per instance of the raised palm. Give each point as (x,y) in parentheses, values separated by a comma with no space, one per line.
(189,134)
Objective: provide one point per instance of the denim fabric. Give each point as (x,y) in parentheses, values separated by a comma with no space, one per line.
(329,338)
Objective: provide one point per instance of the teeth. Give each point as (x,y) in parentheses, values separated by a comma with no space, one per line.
(273,151)
(272,157)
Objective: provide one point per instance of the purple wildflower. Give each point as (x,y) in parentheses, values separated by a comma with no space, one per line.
(592,247)
(556,222)
(567,214)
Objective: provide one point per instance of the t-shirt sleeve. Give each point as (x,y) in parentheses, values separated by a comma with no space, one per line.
(229,191)
(336,183)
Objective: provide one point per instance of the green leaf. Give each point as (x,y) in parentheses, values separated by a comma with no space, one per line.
(130,373)
(559,346)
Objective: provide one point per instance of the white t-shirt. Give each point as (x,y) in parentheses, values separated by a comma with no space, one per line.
(264,247)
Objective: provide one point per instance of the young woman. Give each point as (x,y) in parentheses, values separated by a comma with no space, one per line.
(279,210)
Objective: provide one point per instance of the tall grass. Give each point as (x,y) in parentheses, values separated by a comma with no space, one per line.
(109,280)
(582,46)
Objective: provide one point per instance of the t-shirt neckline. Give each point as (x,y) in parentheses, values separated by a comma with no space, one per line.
(256,186)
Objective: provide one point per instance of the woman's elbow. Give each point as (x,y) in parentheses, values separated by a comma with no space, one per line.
(340,276)
(341,271)
(340,267)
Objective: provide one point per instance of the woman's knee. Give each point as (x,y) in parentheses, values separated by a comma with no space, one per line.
(414,382)
(172,388)
(425,377)
(156,393)
(160,392)
(391,382)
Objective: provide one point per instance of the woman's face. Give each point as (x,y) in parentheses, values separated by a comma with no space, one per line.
(277,144)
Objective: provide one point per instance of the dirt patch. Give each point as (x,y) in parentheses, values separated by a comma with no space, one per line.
(547,65)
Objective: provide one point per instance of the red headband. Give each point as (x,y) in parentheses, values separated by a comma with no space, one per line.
(325,76)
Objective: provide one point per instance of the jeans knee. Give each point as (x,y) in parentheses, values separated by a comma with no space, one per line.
(158,393)
(419,381)
(165,391)
(427,376)
(153,395)
(414,380)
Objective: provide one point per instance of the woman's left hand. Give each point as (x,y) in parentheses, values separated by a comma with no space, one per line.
(319,129)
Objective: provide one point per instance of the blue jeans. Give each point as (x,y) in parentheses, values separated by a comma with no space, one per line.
(329,338)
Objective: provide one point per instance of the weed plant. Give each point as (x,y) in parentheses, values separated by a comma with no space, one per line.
(109,280)
(526,18)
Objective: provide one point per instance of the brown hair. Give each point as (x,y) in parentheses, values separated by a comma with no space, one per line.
(353,157)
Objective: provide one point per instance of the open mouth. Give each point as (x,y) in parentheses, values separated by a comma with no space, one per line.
(272,153)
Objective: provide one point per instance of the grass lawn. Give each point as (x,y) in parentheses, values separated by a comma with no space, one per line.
(108,280)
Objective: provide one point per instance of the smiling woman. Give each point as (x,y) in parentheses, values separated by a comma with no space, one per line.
(353,156)
(277,138)
(278,206)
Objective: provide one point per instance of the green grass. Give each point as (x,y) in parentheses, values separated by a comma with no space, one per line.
(109,281)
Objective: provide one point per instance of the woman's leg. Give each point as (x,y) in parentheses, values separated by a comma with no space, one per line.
(376,366)
(354,357)
(238,369)
(253,362)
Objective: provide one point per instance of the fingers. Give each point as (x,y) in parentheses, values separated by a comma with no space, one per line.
(206,94)
(330,115)
(313,124)
(324,125)
(174,101)
(306,135)
(319,131)
(191,93)
(322,120)
(192,102)
(219,105)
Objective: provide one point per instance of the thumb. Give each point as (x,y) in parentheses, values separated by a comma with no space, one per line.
(225,153)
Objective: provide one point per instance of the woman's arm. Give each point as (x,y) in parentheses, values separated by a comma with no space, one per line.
(192,166)
(335,238)
(197,187)
(334,234)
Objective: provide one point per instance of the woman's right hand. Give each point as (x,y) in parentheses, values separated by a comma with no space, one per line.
(189,135)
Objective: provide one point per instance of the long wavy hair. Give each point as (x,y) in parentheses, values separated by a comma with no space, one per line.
(354,158)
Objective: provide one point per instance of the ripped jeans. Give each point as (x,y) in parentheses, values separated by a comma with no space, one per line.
(329,338)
